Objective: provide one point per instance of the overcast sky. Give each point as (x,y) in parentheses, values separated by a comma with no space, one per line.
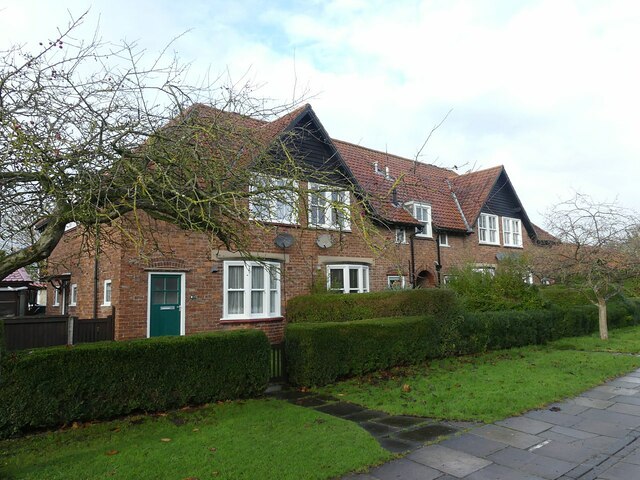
(549,89)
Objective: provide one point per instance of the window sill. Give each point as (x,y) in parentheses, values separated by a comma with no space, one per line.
(513,246)
(276,222)
(251,320)
(327,227)
(419,235)
(105,305)
(489,244)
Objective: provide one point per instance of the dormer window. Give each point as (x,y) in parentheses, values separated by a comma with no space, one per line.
(328,207)
(422,213)
(511,232)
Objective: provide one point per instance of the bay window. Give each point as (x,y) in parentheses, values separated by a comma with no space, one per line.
(348,278)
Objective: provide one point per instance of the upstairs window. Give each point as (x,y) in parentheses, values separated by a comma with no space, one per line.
(401,235)
(56,297)
(328,208)
(511,232)
(422,213)
(73,295)
(443,239)
(251,290)
(106,299)
(488,229)
(275,200)
(348,278)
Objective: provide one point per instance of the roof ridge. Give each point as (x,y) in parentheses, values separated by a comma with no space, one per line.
(394,155)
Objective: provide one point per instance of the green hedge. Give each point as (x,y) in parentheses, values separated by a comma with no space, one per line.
(52,386)
(341,308)
(321,353)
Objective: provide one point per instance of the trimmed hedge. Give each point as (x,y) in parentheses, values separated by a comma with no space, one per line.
(52,386)
(342,308)
(321,353)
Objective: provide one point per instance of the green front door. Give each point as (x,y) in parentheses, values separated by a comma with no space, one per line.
(164,304)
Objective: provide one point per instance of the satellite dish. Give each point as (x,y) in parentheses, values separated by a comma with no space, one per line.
(283,240)
(324,240)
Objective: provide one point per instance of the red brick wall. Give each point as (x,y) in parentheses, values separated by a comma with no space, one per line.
(170,249)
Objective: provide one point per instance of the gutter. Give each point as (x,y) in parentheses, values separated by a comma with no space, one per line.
(455,199)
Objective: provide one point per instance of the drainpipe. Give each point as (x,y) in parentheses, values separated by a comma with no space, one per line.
(95,273)
(412,272)
(439,262)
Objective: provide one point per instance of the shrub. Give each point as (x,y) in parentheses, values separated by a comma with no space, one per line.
(319,353)
(341,308)
(52,386)
(506,290)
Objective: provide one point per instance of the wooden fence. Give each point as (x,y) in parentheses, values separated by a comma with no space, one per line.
(35,331)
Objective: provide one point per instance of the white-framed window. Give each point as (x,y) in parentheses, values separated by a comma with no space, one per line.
(56,297)
(106,294)
(422,213)
(348,278)
(485,270)
(251,290)
(488,229)
(328,207)
(528,278)
(511,232)
(401,235)
(443,239)
(73,295)
(276,200)
(396,282)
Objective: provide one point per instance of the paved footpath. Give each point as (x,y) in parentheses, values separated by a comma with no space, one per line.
(593,436)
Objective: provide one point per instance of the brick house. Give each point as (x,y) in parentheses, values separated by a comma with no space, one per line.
(420,221)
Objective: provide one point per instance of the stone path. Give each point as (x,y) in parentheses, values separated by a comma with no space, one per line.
(595,436)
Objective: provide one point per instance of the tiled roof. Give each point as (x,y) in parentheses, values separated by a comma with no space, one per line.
(413,181)
(472,190)
(544,236)
(19,276)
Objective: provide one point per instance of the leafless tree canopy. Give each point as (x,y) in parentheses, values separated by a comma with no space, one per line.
(598,250)
(90,131)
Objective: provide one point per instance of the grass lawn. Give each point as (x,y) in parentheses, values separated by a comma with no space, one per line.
(484,387)
(256,439)
(625,340)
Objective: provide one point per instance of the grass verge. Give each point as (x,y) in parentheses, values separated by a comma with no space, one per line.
(486,387)
(623,340)
(256,439)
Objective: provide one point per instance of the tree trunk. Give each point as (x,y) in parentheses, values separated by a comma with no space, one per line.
(602,319)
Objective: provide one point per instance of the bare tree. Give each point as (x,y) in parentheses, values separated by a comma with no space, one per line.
(596,252)
(92,132)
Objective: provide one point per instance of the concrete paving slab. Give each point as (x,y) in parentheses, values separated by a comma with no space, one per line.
(453,462)
(377,429)
(557,418)
(621,471)
(573,432)
(526,425)
(340,409)
(633,457)
(602,428)
(523,460)
(365,415)
(567,452)
(630,378)
(396,445)
(598,394)
(615,390)
(359,476)
(474,445)
(403,421)
(404,469)
(508,436)
(307,401)
(621,383)
(630,399)
(625,408)
(568,408)
(557,437)
(602,444)
(593,402)
(612,417)
(426,434)
(500,472)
